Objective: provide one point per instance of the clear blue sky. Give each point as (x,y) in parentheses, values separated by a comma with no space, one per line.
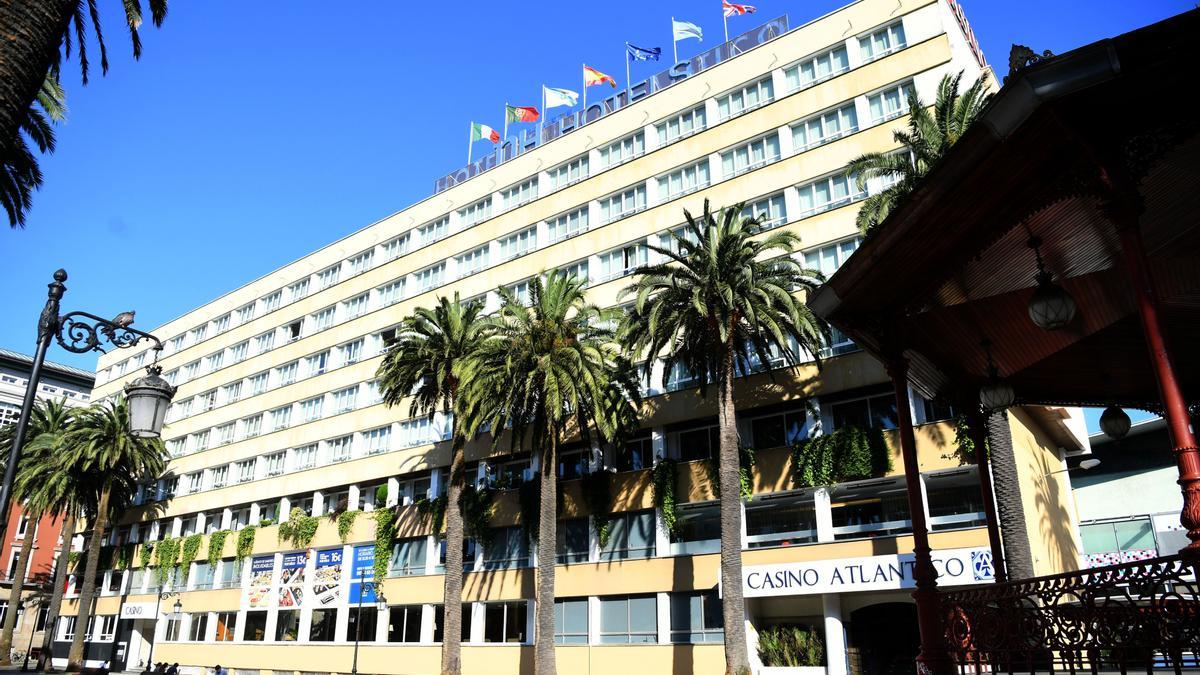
(252,133)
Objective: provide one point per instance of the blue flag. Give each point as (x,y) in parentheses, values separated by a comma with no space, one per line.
(640,54)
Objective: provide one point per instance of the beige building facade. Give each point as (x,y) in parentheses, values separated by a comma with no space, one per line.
(278,407)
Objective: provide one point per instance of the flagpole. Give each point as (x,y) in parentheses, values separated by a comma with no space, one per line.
(470,141)
(725,21)
(542,117)
(674,44)
(628,88)
(583,120)
(504,139)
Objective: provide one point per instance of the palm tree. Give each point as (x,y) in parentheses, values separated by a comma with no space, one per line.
(20,174)
(48,422)
(425,363)
(112,461)
(33,34)
(927,139)
(720,304)
(545,370)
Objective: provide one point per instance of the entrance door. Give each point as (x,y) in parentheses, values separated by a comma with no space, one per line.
(120,655)
(885,639)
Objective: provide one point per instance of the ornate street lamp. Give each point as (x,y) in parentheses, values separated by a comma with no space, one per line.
(1114,422)
(1051,307)
(176,615)
(996,394)
(80,333)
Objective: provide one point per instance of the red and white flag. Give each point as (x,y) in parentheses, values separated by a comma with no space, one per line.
(732,9)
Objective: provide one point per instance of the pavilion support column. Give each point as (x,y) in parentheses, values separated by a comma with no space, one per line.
(935,657)
(1183,439)
(978,431)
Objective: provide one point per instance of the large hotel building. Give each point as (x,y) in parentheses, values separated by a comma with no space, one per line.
(278,407)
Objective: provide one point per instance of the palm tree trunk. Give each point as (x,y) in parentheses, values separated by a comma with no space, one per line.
(733,606)
(452,604)
(60,586)
(88,589)
(18,589)
(30,35)
(1009,506)
(544,652)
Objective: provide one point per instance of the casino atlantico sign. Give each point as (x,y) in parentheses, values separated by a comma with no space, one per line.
(955,567)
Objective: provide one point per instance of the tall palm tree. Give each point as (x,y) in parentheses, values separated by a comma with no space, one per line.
(48,423)
(545,370)
(33,34)
(112,460)
(425,365)
(722,301)
(928,137)
(20,174)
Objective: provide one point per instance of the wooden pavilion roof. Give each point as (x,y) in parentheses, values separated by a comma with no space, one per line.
(951,267)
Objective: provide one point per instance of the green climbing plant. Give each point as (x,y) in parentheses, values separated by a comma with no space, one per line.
(850,453)
(124,556)
(477,507)
(432,511)
(663,481)
(345,523)
(191,546)
(216,545)
(385,534)
(245,543)
(145,555)
(597,494)
(166,558)
(381,496)
(964,446)
(746,461)
(791,646)
(73,559)
(299,529)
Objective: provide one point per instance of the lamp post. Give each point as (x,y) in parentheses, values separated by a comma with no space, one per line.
(80,332)
(380,602)
(176,611)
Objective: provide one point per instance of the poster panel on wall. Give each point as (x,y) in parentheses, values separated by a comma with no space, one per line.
(327,578)
(259,590)
(362,575)
(291,584)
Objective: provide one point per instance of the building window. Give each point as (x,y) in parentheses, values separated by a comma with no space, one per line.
(351,352)
(1117,542)
(623,150)
(696,617)
(770,212)
(954,501)
(239,352)
(631,536)
(519,194)
(191,371)
(227,626)
(817,69)
(874,412)
(778,430)
(823,128)
(298,290)
(258,383)
(252,426)
(430,277)
(339,449)
(568,225)
(505,622)
(225,433)
(272,301)
(631,620)
(245,314)
(745,99)
(361,623)
(245,471)
(198,626)
(66,627)
(274,463)
(518,244)
(508,549)
(214,361)
(418,431)
(783,519)
(306,456)
(328,276)
(395,247)
(828,193)
(378,440)
(344,399)
(310,410)
(683,181)
(391,293)
(356,307)
(479,211)
(431,232)
(570,173)
(404,623)
(750,156)
(698,530)
(408,557)
(323,627)
(323,319)
(362,262)
(827,259)
(287,627)
(882,42)
(570,621)
(221,324)
(471,262)
(579,270)
(200,441)
(697,443)
(622,261)
(172,630)
(256,626)
(889,103)
(635,454)
(680,126)
(874,511)
(574,541)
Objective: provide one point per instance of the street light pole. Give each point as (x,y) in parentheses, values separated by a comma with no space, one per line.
(80,332)
(154,631)
(358,621)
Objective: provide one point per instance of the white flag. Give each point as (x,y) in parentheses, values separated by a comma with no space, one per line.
(686,29)
(559,97)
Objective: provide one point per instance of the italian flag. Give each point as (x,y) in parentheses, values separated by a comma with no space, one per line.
(482,131)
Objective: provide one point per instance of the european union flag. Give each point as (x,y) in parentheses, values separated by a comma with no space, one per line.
(640,54)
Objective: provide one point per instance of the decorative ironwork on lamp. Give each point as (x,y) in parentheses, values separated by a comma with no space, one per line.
(1051,306)
(1114,422)
(996,394)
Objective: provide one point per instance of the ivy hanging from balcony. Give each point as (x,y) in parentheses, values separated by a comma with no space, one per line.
(663,481)
(597,494)
(124,557)
(216,545)
(345,523)
(145,554)
(850,453)
(191,546)
(245,542)
(746,462)
(166,558)
(299,529)
(476,508)
(964,446)
(385,534)
(432,511)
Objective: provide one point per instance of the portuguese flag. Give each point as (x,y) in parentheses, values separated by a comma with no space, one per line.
(482,131)
(521,113)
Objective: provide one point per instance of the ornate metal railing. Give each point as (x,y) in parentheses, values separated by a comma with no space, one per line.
(1139,616)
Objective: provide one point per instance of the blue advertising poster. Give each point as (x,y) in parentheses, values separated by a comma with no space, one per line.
(261,569)
(362,574)
(291,584)
(327,578)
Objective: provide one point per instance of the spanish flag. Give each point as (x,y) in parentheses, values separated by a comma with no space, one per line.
(592,76)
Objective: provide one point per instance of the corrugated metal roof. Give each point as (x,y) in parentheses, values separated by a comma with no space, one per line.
(59,367)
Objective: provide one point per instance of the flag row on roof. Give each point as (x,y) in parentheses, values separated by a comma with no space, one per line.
(557,97)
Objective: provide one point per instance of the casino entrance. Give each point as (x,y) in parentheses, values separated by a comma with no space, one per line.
(883,639)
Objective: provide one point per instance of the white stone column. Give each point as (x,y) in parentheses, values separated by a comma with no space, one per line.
(593,620)
(393,491)
(824,514)
(255,514)
(201,521)
(318,507)
(664,618)
(835,635)
(791,207)
(176,526)
(285,508)
(712,112)
(662,538)
(658,435)
(786,148)
(428,619)
(226,518)
(477,617)
(354,498)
